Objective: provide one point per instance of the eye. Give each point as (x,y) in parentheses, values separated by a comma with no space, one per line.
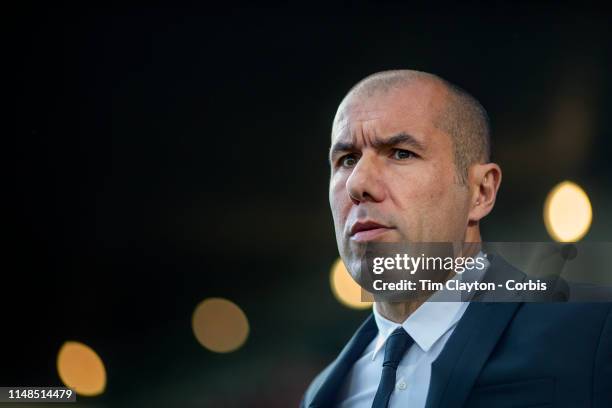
(348,160)
(401,154)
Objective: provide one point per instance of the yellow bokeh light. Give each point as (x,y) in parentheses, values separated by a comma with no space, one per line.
(345,289)
(81,369)
(567,212)
(220,325)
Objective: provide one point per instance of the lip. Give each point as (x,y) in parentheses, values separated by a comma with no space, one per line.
(363,231)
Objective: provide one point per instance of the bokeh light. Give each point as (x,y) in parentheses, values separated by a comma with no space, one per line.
(567,212)
(345,289)
(81,369)
(220,325)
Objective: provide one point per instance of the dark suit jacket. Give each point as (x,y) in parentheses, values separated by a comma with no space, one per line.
(510,354)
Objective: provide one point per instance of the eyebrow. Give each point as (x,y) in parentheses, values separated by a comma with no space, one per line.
(401,138)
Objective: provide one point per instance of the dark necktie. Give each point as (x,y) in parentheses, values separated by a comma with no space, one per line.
(397,344)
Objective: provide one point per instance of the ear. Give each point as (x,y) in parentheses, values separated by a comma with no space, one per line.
(484,181)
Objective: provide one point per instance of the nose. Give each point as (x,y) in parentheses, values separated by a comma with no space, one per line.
(366,181)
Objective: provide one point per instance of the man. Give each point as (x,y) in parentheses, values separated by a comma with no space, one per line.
(410,163)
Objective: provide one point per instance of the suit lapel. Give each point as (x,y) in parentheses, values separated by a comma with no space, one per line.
(456,369)
(331,383)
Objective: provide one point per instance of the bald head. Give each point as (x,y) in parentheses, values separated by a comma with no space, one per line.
(457,114)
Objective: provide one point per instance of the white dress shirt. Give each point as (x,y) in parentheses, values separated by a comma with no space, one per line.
(430,326)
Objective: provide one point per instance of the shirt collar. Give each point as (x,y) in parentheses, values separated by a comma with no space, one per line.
(425,325)
(429,322)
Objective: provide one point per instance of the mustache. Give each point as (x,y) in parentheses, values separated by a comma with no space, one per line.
(372,213)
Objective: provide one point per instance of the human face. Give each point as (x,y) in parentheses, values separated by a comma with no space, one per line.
(393,177)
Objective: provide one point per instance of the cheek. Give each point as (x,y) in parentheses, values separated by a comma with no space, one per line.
(416,189)
(338,199)
(429,198)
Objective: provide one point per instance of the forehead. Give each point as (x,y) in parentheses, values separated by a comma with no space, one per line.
(410,108)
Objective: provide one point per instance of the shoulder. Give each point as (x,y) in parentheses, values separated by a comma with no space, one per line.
(315,385)
(581,324)
(333,374)
(568,314)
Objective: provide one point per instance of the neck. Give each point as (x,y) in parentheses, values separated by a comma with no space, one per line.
(398,312)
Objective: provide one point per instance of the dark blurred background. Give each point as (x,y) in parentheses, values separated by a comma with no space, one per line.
(159,156)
